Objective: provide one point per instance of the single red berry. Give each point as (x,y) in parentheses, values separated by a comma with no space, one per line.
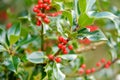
(45,1)
(92,28)
(39,14)
(40,5)
(47,8)
(64,47)
(60,39)
(107,66)
(46,20)
(45,5)
(65,41)
(88,71)
(59,12)
(58,59)
(49,1)
(43,15)
(38,23)
(98,64)
(65,51)
(70,47)
(86,41)
(93,70)
(40,1)
(81,71)
(109,62)
(35,10)
(8,25)
(83,66)
(51,57)
(103,60)
(60,46)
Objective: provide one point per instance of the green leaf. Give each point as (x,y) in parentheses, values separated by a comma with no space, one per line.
(14,33)
(2,48)
(85,20)
(82,5)
(69,56)
(93,36)
(90,4)
(12,63)
(69,16)
(36,57)
(53,71)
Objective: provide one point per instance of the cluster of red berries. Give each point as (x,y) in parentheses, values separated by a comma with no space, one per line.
(55,14)
(102,62)
(62,45)
(52,58)
(39,10)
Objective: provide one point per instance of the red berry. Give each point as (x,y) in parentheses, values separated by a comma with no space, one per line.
(109,62)
(83,66)
(60,46)
(40,5)
(70,47)
(103,60)
(92,28)
(65,51)
(51,57)
(88,71)
(35,10)
(64,47)
(93,70)
(49,1)
(40,1)
(58,59)
(107,65)
(86,41)
(40,14)
(38,23)
(8,25)
(65,41)
(98,64)
(46,20)
(60,39)
(81,71)
(43,15)
(45,1)
(36,6)
(47,8)
(45,5)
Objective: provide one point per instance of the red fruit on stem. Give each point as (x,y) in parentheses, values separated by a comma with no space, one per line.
(39,14)
(65,51)
(51,57)
(64,47)
(107,66)
(86,41)
(40,5)
(93,70)
(65,41)
(92,28)
(103,60)
(60,46)
(98,64)
(109,62)
(47,8)
(88,71)
(83,66)
(45,1)
(46,20)
(81,71)
(60,39)
(38,23)
(40,1)
(58,59)
(45,5)
(49,1)
(8,25)
(35,10)
(70,47)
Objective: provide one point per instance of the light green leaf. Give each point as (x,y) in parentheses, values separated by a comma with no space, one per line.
(69,16)
(14,33)
(2,48)
(85,20)
(36,57)
(90,4)
(82,5)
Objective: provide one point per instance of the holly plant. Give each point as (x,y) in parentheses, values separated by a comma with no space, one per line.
(48,40)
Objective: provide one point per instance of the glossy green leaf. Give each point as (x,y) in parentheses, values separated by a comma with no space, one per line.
(69,16)
(82,5)
(85,20)
(90,4)
(12,63)
(36,57)
(69,57)
(14,33)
